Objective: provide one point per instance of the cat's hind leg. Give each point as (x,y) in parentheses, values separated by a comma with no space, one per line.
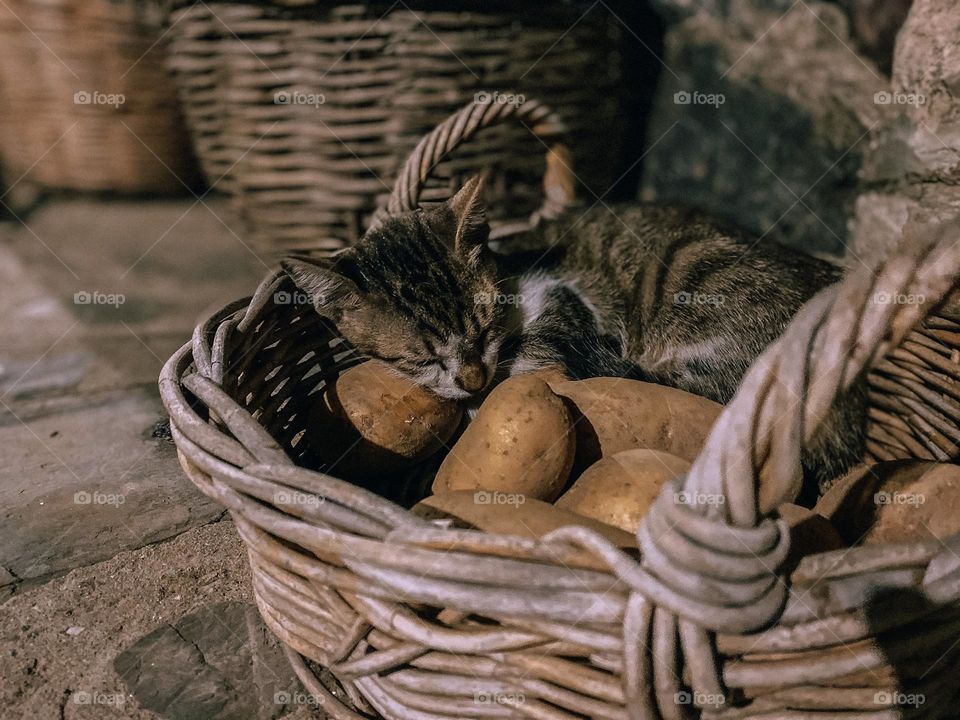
(565,332)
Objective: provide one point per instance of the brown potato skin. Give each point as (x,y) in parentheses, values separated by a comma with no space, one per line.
(810,533)
(619,489)
(529,518)
(373,421)
(616,414)
(897,501)
(552,375)
(521,441)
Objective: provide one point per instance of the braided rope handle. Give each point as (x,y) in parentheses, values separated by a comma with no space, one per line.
(546,125)
(712,567)
(837,336)
(715,566)
(726,548)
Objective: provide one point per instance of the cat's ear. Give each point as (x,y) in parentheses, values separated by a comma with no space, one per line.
(470,214)
(330,291)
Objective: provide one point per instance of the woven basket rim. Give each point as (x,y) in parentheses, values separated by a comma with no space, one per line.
(353,558)
(180,363)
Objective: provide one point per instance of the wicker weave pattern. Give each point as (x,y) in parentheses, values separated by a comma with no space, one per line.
(55,49)
(308,176)
(418,621)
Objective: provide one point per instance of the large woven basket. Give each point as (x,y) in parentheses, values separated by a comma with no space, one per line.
(305,111)
(417,621)
(85,99)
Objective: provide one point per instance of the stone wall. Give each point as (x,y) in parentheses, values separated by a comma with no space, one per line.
(771,115)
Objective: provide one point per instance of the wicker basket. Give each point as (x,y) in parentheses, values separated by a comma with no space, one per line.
(85,99)
(421,622)
(305,111)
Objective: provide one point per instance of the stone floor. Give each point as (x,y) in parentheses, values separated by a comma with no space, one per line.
(125,591)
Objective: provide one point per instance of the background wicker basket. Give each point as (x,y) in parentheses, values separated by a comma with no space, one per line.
(307,110)
(418,621)
(96,110)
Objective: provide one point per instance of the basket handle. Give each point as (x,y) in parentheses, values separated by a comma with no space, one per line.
(836,337)
(715,567)
(544,123)
(751,459)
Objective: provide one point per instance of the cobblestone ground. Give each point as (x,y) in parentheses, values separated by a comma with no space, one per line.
(125,591)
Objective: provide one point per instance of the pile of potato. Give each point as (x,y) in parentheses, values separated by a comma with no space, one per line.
(544,451)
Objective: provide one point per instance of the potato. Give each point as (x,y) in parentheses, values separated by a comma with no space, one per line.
(373,421)
(810,533)
(896,501)
(847,489)
(615,414)
(521,441)
(552,374)
(619,489)
(512,514)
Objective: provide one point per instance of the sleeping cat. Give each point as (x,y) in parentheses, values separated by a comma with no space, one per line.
(653,293)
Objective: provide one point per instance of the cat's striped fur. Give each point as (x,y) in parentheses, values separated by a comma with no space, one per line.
(655,293)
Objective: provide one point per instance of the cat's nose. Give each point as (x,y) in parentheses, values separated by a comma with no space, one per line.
(471,376)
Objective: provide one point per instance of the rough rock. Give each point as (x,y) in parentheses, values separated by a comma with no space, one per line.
(201,576)
(83,474)
(102,487)
(874,25)
(779,148)
(927,63)
(219,663)
(914,160)
(880,217)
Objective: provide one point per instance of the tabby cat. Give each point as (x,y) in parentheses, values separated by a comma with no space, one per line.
(655,293)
